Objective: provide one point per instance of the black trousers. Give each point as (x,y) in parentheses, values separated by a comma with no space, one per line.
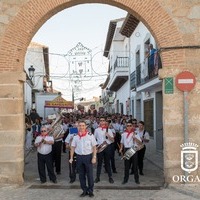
(45,161)
(63,141)
(85,169)
(141,154)
(127,164)
(112,157)
(104,155)
(56,153)
(72,168)
(117,141)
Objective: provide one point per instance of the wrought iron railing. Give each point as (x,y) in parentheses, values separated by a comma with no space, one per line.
(148,69)
(133,80)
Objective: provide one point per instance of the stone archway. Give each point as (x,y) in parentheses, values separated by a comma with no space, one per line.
(168,22)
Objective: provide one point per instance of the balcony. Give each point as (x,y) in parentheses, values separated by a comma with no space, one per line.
(133,81)
(108,97)
(120,74)
(148,70)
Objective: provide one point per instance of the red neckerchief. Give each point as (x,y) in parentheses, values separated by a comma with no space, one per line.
(83,134)
(103,127)
(43,136)
(129,132)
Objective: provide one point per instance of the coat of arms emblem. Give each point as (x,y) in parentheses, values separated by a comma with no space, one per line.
(189,157)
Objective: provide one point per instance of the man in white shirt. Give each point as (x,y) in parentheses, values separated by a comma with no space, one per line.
(128,140)
(103,134)
(144,136)
(72,166)
(84,145)
(44,144)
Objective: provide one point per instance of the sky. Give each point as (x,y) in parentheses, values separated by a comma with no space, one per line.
(88,24)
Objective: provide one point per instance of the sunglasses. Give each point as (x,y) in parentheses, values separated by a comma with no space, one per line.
(43,131)
(128,125)
(102,120)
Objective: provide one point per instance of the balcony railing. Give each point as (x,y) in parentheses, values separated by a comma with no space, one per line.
(121,62)
(133,80)
(148,69)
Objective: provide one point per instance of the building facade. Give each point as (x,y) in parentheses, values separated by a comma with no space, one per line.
(132,87)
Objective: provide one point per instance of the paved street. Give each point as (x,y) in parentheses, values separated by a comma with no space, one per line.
(151,185)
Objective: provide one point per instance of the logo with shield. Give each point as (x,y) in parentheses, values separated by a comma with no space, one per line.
(189,157)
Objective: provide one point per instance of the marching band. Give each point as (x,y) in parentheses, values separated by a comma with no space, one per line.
(90,140)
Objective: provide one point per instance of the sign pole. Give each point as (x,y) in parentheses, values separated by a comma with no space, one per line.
(185,94)
(185,81)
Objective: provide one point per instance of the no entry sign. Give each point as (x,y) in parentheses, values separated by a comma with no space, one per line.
(185,81)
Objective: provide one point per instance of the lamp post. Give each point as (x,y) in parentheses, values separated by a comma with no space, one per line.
(31,71)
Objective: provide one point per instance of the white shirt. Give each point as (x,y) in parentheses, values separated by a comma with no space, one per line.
(44,148)
(128,142)
(95,125)
(65,127)
(84,145)
(146,135)
(69,138)
(116,126)
(100,136)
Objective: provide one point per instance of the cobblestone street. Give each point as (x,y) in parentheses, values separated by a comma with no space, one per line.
(150,188)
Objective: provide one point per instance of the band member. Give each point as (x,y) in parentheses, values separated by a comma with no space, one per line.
(129,138)
(135,126)
(57,149)
(112,156)
(72,166)
(144,135)
(66,126)
(104,134)
(84,145)
(44,144)
(116,126)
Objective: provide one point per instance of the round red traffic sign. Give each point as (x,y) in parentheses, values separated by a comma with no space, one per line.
(185,81)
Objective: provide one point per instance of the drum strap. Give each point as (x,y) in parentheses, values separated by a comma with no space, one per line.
(143,134)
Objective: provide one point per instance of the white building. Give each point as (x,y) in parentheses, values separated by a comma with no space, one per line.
(131,87)
(38,58)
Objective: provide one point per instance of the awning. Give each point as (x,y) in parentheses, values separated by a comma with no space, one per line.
(59,102)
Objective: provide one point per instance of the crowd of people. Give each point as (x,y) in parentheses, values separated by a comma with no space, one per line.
(89,139)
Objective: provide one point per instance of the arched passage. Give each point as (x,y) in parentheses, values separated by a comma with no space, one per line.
(25,18)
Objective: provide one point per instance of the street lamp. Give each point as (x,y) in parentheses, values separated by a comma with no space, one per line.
(31,71)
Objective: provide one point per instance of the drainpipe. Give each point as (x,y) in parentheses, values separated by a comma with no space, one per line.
(129,72)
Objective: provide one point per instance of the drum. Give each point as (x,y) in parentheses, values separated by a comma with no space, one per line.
(101,147)
(129,153)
